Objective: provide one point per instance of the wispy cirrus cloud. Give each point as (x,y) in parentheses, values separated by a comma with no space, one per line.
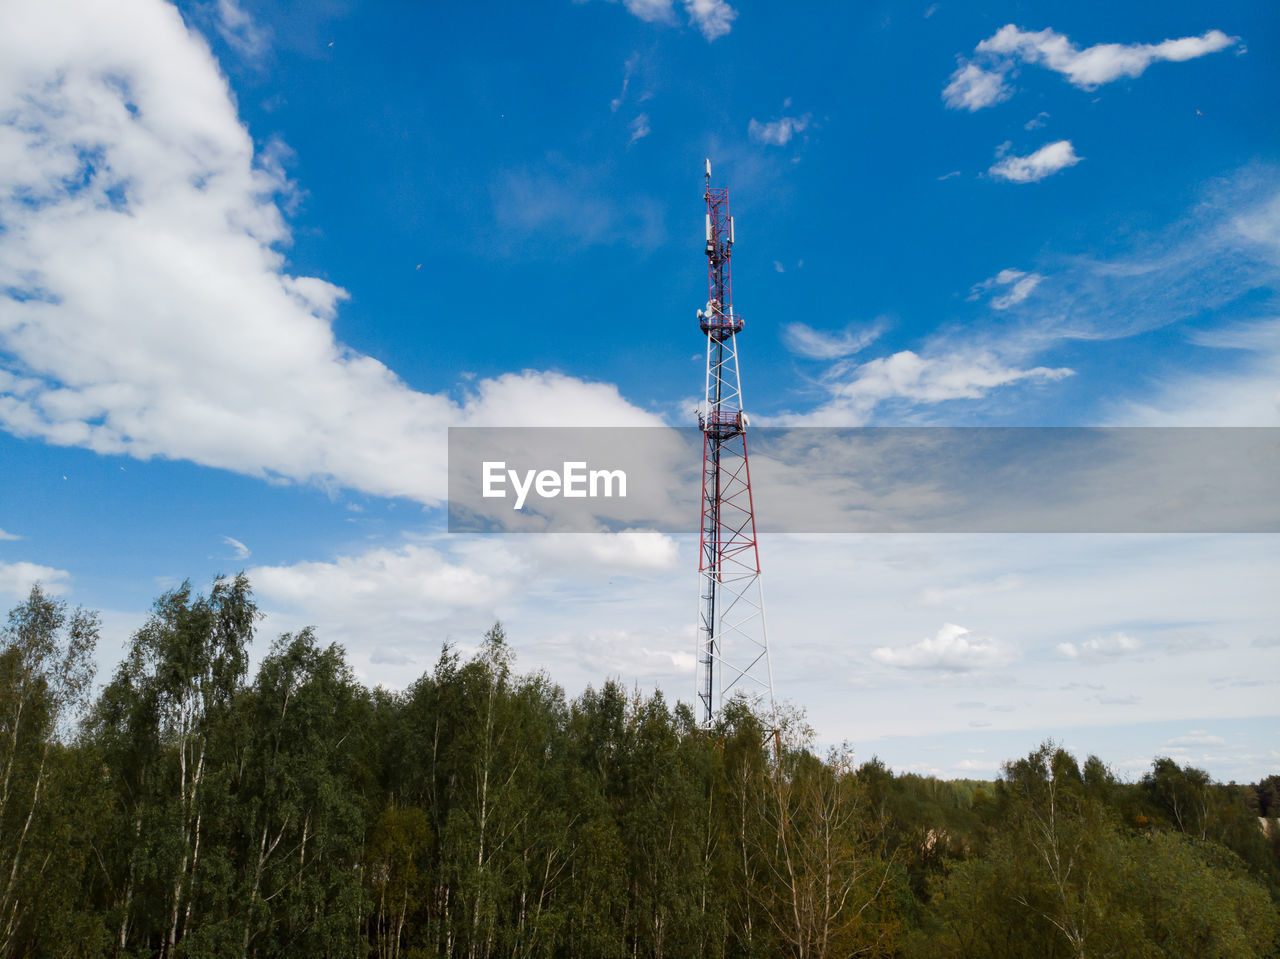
(984,81)
(1017,286)
(910,380)
(822,345)
(241,551)
(240,30)
(639,128)
(628,71)
(1045,162)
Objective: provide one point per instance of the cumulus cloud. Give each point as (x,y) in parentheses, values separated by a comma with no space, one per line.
(983,82)
(1019,286)
(8,537)
(777,132)
(1102,63)
(820,345)
(1101,647)
(1046,161)
(972,88)
(713,17)
(392,605)
(16,579)
(953,649)
(146,309)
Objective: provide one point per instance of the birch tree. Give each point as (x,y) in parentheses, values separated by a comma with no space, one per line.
(46,667)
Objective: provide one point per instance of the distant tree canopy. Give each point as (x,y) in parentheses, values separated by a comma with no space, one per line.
(191,810)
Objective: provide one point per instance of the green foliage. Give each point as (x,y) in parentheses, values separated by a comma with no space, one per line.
(478,814)
(46,666)
(1063,877)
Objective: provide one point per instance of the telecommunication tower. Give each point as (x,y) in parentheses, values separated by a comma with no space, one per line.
(733,647)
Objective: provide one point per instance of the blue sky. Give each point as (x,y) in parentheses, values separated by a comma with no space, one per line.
(257,257)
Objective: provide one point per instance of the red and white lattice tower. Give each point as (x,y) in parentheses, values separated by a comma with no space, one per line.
(733,648)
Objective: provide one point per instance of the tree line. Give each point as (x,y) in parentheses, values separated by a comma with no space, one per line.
(186,809)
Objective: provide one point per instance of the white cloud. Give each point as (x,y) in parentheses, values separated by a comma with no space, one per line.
(1101,63)
(954,649)
(242,551)
(856,391)
(1021,290)
(628,550)
(1020,284)
(777,132)
(16,579)
(1046,161)
(385,656)
(8,537)
(1197,737)
(956,595)
(639,128)
(392,606)
(238,29)
(631,654)
(1101,647)
(147,309)
(628,69)
(972,88)
(820,345)
(414,579)
(1036,122)
(651,11)
(713,17)
(1244,394)
(975,85)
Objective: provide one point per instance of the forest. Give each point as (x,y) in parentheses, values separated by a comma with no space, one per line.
(184,808)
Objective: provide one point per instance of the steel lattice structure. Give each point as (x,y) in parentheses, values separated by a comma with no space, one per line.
(732,640)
